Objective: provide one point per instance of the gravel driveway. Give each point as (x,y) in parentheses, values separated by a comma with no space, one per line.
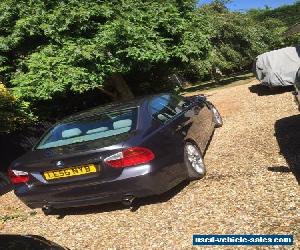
(249,188)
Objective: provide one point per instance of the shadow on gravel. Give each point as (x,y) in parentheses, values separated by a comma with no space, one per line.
(119,206)
(287,132)
(5,189)
(280,169)
(19,241)
(262,90)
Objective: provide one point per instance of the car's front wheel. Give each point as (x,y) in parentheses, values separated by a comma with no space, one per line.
(194,161)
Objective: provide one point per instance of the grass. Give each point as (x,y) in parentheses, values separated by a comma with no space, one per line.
(6,217)
(224,83)
(12,213)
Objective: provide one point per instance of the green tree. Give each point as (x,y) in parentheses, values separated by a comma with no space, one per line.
(50,47)
(287,14)
(236,39)
(279,20)
(50,50)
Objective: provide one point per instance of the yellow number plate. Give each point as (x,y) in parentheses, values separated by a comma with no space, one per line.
(68,172)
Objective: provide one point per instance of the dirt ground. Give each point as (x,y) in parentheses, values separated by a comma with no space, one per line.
(250,187)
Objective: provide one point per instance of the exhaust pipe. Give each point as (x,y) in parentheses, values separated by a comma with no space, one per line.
(128,200)
(47,210)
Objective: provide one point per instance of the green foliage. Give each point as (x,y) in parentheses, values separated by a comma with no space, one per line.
(14,113)
(77,45)
(279,20)
(50,50)
(287,14)
(237,38)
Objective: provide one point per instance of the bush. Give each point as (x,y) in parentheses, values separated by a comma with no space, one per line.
(15,114)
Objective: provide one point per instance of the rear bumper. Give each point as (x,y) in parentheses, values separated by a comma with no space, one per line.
(137,181)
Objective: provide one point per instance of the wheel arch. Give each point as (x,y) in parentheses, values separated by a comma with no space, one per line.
(190,140)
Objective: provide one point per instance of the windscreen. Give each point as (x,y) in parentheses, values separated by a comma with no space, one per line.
(96,127)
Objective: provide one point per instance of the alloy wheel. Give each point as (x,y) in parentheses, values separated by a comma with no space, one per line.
(195,158)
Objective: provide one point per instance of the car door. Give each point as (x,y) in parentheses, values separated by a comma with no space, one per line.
(186,119)
(173,130)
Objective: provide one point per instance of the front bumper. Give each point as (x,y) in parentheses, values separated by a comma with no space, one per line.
(139,181)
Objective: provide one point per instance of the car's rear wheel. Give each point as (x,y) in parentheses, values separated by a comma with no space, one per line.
(194,161)
(217,117)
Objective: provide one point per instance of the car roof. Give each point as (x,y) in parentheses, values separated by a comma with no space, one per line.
(119,105)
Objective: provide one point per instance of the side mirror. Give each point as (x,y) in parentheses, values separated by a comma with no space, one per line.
(200,98)
(186,104)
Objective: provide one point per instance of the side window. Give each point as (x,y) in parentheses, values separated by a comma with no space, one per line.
(165,107)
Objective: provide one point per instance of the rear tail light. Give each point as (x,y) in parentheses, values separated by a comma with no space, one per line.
(130,157)
(17,177)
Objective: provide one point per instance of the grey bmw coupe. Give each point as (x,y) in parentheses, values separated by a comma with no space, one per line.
(117,152)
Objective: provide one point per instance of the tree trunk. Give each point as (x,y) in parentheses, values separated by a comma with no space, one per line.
(119,84)
(112,95)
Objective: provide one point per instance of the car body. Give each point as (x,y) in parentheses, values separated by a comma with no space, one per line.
(277,68)
(117,152)
(297,89)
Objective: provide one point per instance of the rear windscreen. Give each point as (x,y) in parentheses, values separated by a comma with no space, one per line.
(108,124)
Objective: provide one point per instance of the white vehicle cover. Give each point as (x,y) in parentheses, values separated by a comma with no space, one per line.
(278,67)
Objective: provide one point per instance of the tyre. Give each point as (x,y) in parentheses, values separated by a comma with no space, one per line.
(217,117)
(194,162)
